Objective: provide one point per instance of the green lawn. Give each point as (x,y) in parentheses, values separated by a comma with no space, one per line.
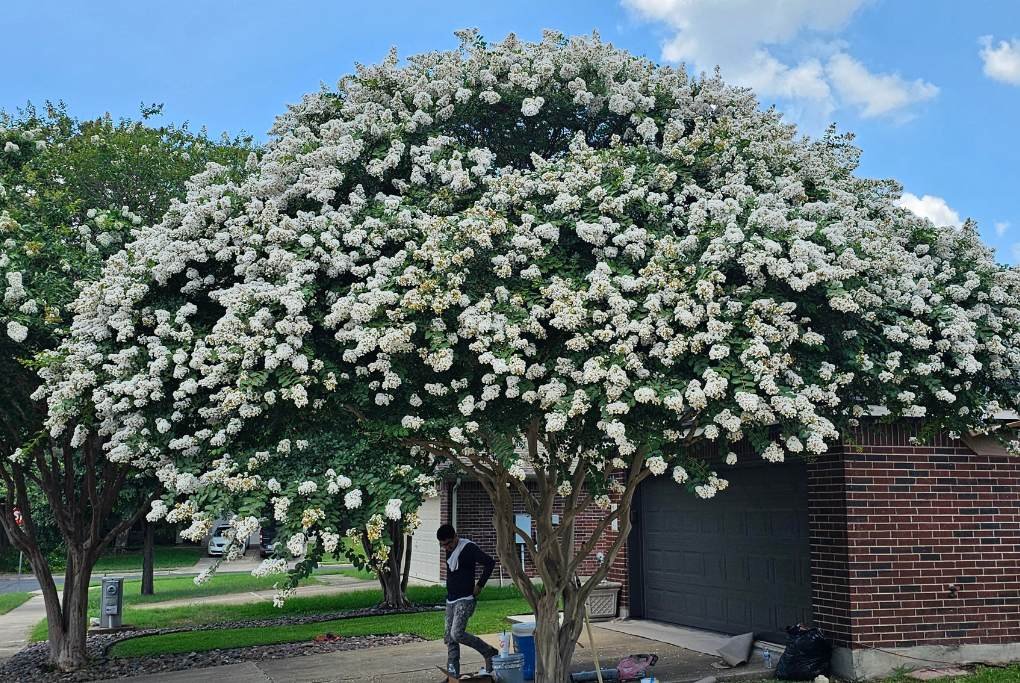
(356,573)
(489,617)
(9,601)
(181,587)
(166,557)
(1009,674)
(984,675)
(191,615)
(318,604)
(351,546)
(174,588)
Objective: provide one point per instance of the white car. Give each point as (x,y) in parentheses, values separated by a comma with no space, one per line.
(218,542)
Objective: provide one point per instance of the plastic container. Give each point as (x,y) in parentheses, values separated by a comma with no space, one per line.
(508,669)
(524,643)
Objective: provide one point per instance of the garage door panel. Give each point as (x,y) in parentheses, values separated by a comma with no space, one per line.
(425,559)
(739,610)
(734,563)
(755,526)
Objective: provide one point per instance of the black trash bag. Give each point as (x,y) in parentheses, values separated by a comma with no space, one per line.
(807,655)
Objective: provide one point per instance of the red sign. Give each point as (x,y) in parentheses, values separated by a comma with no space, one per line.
(19,519)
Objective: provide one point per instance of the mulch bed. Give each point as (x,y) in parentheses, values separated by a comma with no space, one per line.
(29,665)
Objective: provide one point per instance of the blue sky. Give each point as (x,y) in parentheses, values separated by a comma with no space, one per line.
(930,87)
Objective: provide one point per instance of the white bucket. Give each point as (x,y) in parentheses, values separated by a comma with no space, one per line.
(508,669)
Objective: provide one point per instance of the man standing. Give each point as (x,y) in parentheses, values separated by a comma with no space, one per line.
(462,560)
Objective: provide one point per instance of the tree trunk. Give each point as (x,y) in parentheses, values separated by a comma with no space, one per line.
(407,563)
(68,621)
(390,574)
(148,559)
(554,644)
(393,595)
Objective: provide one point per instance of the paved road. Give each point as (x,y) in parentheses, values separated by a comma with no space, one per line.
(10,583)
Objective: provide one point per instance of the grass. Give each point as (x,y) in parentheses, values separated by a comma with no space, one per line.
(489,617)
(297,606)
(165,557)
(9,601)
(198,613)
(351,547)
(175,588)
(183,587)
(356,573)
(1009,674)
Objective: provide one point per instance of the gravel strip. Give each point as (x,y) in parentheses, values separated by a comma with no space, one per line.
(29,665)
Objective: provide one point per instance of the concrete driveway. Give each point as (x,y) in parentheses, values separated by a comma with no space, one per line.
(417,662)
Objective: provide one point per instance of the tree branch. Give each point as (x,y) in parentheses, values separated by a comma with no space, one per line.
(636,475)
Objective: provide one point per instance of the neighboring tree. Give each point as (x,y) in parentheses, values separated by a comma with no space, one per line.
(148,558)
(554,256)
(363,507)
(71,193)
(334,494)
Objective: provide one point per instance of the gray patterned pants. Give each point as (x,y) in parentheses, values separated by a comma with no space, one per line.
(457,615)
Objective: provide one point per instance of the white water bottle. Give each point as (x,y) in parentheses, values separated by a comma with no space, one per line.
(767,656)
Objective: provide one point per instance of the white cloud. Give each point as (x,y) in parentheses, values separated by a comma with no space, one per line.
(875,94)
(1001,227)
(740,37)
(1002,61)
(934,209)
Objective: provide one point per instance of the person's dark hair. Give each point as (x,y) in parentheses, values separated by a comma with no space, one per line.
(445,532)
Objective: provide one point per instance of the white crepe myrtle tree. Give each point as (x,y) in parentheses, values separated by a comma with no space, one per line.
(548,256)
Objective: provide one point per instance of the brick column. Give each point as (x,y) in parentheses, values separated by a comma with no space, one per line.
(932,550)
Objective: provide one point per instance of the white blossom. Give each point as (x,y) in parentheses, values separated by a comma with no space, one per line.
(352,499)
(393,508)
(656,464)
(16,330)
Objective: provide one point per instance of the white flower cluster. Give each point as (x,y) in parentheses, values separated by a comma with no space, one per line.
(393,508)
(352,499)
(270,566)
(683,267)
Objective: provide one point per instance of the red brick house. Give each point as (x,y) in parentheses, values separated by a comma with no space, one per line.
(899,553)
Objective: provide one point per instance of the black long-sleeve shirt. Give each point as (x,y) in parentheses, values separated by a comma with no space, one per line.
(461,583)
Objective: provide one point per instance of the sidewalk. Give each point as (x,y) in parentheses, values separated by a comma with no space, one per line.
(16,624)
(417,662)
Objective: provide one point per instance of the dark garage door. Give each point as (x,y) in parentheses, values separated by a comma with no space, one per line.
(738,562)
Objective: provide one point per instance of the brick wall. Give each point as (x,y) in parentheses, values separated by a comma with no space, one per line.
(584,527)
(918,520)
(829,571)
(893,527)
(474,521)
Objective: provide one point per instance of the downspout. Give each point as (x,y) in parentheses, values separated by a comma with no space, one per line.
(453,503)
